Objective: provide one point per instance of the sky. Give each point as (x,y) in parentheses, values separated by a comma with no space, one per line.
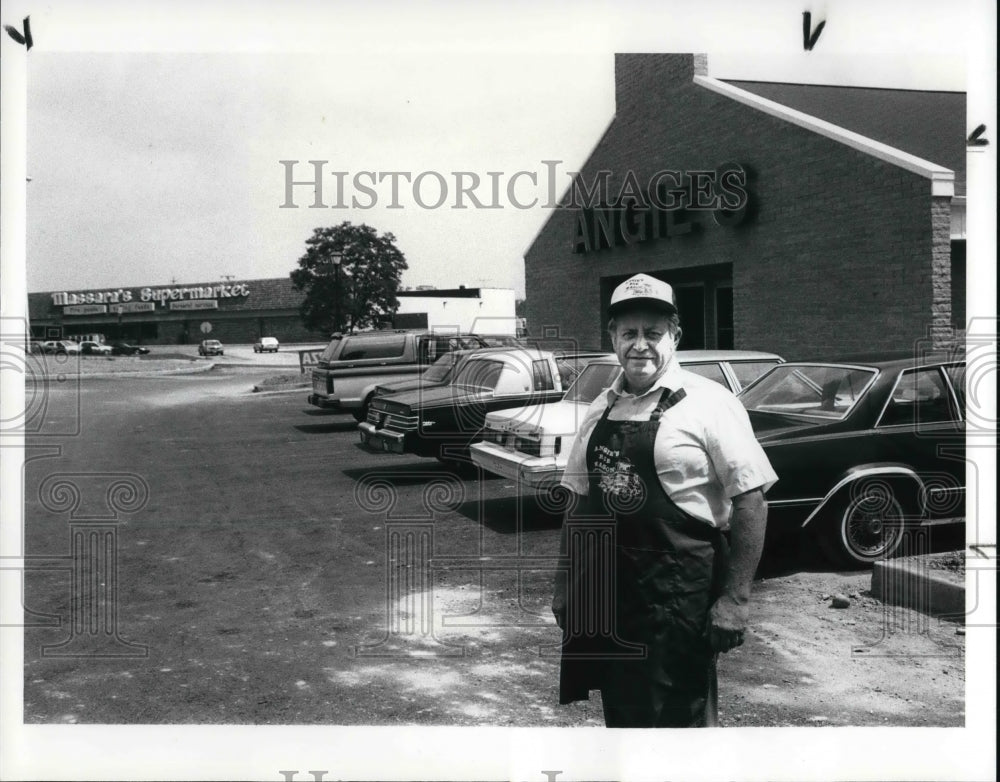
(152,162)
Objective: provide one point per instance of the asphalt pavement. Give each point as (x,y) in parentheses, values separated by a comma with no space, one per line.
(271,571)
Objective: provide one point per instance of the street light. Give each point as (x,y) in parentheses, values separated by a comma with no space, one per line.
(336,259)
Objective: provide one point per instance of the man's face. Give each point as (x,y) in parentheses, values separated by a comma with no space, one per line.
(644,344)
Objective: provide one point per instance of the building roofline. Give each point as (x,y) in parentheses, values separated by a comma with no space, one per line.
(841,86)
(942,179)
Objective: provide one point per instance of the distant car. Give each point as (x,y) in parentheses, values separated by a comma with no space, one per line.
(210,347)
(266,345)
(89,348)
(531,445)
(125,349)
(865,451)
(35,346)
(63,346)
(442,422)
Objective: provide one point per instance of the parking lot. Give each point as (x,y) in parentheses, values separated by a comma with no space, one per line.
(277,573)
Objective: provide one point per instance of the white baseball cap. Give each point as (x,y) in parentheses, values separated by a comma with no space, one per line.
(642,290)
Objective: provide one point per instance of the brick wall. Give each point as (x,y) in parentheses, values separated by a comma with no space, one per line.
(840,252)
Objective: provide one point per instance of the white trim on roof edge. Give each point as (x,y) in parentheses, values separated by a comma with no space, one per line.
(942,179)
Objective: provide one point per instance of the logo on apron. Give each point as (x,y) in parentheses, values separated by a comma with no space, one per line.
(618,479)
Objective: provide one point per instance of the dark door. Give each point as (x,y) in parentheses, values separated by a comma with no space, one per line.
(691,307)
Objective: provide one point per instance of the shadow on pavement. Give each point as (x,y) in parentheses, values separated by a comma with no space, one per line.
(510,515)
(327,428)
(404,473)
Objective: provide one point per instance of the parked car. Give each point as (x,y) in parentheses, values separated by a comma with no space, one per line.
(442,422)
(210,347)
(266,345)
(531,445)
(90,348)
(125,349)
(437,374)
(352,366)
(864,451)
(502,341)
(63,346)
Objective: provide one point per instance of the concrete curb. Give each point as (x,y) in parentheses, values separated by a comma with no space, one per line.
(138,373)
(274,392)
(913,584)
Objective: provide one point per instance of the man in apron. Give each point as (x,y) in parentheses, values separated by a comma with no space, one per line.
(666,529)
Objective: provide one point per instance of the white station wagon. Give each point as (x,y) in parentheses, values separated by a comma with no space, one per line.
(530,445)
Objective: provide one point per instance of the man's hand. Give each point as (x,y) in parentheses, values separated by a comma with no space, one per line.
(559,606)
(727,623)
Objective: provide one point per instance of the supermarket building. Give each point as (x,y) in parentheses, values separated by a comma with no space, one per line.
(812,221)
(242,311)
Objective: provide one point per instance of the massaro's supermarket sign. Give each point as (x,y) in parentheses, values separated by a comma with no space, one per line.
(195,297)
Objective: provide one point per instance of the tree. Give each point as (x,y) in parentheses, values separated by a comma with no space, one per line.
(350,276)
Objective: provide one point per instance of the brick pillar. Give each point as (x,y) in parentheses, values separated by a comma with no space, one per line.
(941,331)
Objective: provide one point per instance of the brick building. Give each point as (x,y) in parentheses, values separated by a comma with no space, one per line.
(807,220)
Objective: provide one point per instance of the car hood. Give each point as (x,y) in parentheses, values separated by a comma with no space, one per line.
(556,418)
(431,397)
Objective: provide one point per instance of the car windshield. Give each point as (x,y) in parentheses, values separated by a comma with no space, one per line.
(591,382)
(827,392)
(479,373)
(438,371)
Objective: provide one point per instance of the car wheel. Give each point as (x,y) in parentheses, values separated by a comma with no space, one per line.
(361,414)
(866,527)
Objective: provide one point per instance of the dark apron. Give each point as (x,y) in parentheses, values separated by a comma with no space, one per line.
(643,576)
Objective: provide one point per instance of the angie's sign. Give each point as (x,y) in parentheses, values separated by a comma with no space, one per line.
(152,295)
(670,205)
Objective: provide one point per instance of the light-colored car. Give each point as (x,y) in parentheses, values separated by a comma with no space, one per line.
(442,421)
(90,348)
(210,347)
(66,346)
(531,445)
(266,345)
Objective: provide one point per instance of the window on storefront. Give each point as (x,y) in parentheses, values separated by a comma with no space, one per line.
(691,307)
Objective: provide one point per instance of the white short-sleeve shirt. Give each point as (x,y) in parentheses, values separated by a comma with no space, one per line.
(705,450)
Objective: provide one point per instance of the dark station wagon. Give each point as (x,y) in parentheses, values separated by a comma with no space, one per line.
(865,451)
